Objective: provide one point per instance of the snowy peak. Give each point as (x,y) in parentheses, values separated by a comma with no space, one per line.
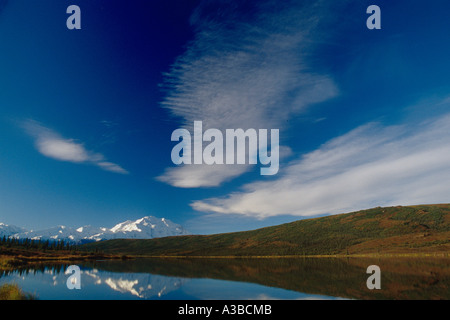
(146,228)
(55,233)
(127,226)
(90,230)
(144,223)
(7,230)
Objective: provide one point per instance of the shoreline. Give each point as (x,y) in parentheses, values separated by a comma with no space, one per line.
(11,262)
(16,261)
(368,255)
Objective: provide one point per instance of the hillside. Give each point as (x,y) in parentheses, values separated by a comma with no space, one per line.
(409,229)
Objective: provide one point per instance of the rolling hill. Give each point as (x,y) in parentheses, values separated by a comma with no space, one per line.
(389,230)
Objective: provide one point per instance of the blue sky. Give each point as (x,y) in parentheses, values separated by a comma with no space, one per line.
(86,115)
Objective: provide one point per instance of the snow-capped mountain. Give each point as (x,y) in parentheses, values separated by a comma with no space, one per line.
(145,228)
(54,233)
(7,230)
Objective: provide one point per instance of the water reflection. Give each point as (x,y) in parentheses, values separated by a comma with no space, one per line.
(141,285)
(49,282)
(239,279)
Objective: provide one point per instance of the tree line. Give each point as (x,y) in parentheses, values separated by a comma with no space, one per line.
(61,245)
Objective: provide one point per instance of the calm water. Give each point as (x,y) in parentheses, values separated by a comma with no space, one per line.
(225,279)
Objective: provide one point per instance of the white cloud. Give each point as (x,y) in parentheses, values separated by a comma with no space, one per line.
(65,150)
(194,176)
(370,166)
(245,72)
(51,144)
(109,166)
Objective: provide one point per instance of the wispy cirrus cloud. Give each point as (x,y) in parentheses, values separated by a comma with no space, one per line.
(51,144)
(244,69)
(373,165)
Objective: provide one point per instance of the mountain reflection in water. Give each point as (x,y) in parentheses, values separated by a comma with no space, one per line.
(244,278)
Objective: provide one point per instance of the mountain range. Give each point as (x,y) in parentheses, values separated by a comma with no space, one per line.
(148,227)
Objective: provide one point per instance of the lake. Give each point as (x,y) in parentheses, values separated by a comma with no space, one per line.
(238,279)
